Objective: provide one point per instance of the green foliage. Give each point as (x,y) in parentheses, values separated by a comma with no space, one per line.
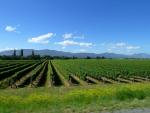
(128,94)
(76,99)
(110,68)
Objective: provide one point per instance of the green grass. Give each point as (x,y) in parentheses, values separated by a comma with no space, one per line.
(81,99)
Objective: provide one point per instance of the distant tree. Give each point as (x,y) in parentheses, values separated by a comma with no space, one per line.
(33,53)
(21,52)
(14,54)
(37,57)
(98,57)
(103,57)
(88,57)
(47,57)
(74,57)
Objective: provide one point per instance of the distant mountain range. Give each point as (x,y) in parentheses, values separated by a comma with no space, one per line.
(69,54)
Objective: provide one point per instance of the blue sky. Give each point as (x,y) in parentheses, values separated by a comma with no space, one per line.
(119,26)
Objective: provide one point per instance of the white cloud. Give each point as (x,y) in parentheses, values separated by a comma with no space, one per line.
(10,29)
(44,39)
(120,47)
(133,47)
(74,43)
(85,44)
(67,36)
(67,43)
(120,44)
(78,36)
(63,47)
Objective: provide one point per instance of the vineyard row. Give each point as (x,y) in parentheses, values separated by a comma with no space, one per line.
(47,74)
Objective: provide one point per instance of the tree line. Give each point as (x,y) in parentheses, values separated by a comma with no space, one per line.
(33,56)
(21,56)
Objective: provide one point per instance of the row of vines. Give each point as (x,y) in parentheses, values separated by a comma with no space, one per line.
(46,73)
